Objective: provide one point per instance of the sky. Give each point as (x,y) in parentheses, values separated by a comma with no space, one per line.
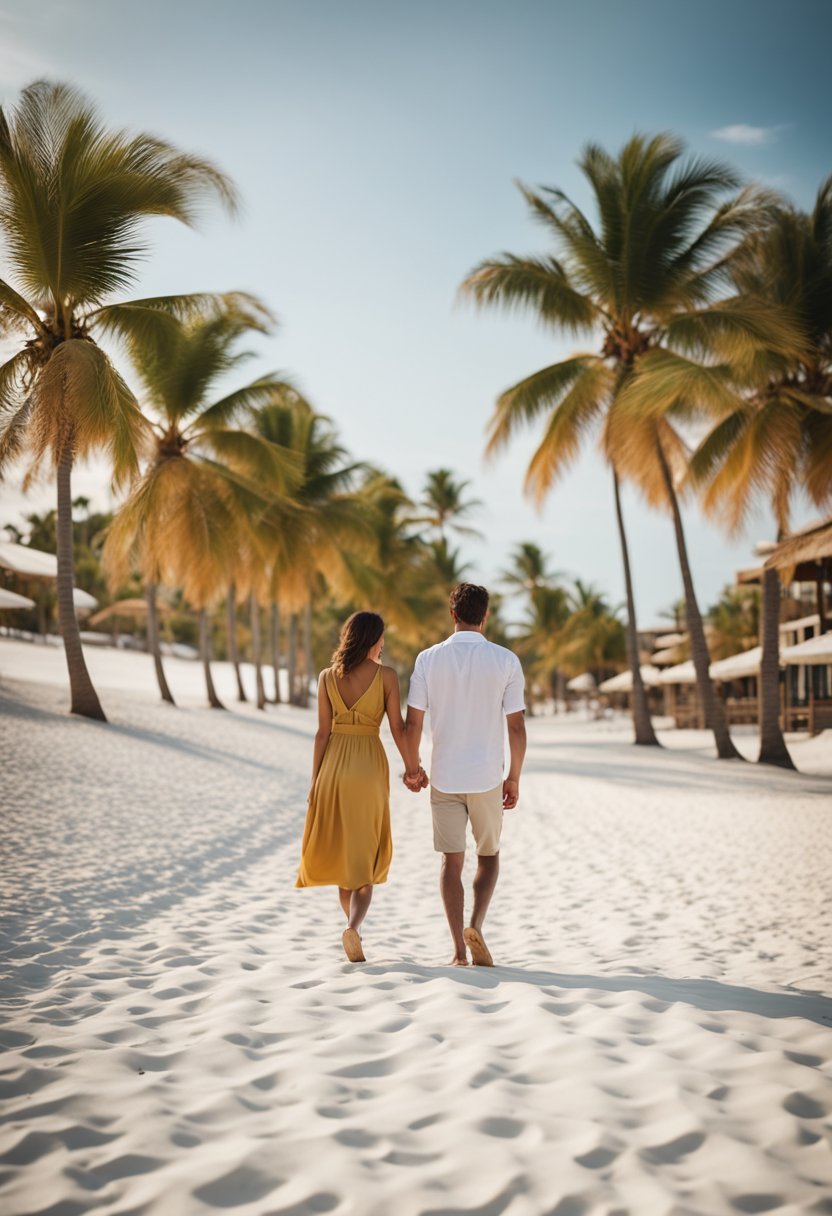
(377,145)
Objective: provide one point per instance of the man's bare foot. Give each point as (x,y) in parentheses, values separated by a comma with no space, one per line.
(352,946)
(480,954)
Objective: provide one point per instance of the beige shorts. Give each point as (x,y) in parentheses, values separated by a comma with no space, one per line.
(451,813)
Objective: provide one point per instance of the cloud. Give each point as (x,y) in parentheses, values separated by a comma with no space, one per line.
(743,133)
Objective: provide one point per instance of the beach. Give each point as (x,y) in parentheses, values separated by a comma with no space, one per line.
(182,1033)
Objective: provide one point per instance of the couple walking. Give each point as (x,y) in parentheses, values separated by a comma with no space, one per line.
(470,686)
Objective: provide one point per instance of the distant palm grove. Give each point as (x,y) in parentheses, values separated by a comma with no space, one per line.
(699,305)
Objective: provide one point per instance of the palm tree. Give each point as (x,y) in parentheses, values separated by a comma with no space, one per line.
(73,196)
(734,622)
(529,569)
(395,573)
(777,440)
(311,540)
(593,637)
(644,280)
(191,520)
(444,504)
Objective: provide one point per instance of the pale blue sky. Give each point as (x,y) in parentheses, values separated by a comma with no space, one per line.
(375,145)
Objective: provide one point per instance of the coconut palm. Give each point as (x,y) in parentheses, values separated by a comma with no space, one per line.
(546,611)
(73,196)
(444,504)
(777,440)
(734,622)
(593,637)
(395,576)
(643,280)
(191,520)
(310,541)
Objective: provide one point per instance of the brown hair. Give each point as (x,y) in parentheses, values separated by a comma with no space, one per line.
(358,633)
(469,602)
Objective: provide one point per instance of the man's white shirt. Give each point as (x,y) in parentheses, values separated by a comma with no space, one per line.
(468,684)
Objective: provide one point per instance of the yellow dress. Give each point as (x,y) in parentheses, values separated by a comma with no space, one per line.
(347,841)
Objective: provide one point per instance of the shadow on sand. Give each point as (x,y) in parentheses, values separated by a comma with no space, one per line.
(710,996)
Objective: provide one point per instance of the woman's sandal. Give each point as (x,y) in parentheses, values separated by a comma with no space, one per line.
(352,946)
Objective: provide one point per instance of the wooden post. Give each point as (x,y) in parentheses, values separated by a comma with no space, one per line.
(819,585)
(809,675)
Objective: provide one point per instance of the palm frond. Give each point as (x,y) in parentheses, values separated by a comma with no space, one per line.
(16,313)
(248,399)
(737,328)
(277,469)
(80,399)
(541,392)
(539,284)
(568,425)
(666,381)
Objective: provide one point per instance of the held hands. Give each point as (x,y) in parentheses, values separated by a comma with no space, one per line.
(511,794)
(416,781)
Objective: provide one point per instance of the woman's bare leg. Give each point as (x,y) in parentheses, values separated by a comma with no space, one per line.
(359,903)
(344,896)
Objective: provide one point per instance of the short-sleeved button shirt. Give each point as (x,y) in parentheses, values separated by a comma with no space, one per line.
(468,684)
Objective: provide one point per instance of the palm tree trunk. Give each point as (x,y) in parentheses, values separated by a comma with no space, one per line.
(773,748)
(205,652)
(153,642)
(274,629)
(293,658)
(308,661)
(712,706)
(84,698)
(233,652)
(645,735)
(254,609)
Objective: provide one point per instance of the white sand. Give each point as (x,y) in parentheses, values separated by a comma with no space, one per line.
(183,1034)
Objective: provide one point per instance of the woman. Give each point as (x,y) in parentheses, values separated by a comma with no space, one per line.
(346,842)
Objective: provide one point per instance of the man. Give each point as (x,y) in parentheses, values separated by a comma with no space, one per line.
(471,686)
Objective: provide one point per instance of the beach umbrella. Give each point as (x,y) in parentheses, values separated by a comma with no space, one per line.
(36,564)
(623,682)
(682,673)
(736,666)
(816,651)
(585,682)
(662,658)
(130,608)
(10,599)
(669,640)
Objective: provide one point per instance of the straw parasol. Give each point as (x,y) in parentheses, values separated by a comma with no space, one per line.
(681,673)
(736,666)
(10,599)
(811,546)
(36,564)
(585,682)
(670,640)
(623,682)
(816,651)
(127,608)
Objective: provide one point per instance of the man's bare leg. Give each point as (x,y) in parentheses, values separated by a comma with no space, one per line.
(344,895)
(485,880)
(453,897)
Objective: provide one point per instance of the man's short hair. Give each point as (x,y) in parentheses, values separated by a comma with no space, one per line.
(469,603)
